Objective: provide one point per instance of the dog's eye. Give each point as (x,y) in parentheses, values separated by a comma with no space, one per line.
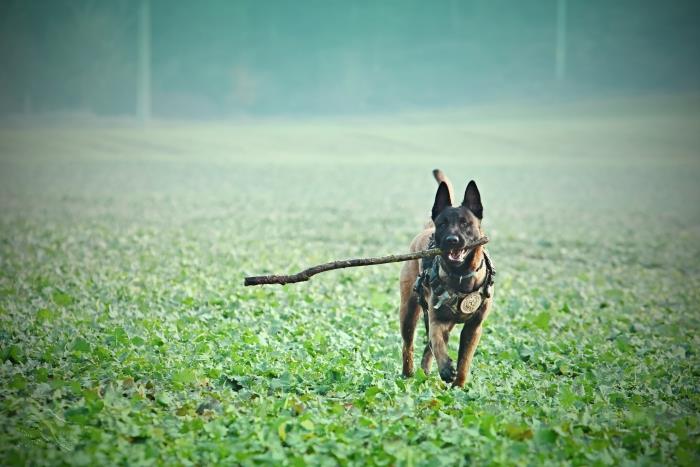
(463,223)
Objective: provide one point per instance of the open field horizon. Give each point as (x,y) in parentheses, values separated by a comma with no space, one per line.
(127,335)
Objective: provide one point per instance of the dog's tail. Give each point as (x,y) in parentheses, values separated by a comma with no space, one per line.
(441,177)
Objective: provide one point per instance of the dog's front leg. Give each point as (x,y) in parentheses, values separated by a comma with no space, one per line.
(439,333)
(468,341)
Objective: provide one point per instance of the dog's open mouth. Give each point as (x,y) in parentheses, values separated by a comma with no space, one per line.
(457,254)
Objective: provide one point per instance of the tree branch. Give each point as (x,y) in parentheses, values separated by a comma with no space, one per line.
(306,274)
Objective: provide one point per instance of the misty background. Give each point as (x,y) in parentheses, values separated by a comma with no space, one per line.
(221,59)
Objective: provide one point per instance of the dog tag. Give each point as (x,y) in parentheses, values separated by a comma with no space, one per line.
(470,303)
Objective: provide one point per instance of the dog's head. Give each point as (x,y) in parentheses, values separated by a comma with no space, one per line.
(457,227)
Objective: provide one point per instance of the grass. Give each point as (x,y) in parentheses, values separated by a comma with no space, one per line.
(127,337)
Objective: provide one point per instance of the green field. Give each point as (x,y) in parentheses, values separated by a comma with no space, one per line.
(127,337)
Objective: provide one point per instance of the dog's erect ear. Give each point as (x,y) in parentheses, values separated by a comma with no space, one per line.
(442,199)
(472,200)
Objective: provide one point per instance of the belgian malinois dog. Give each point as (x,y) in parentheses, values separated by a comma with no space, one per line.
(454,287)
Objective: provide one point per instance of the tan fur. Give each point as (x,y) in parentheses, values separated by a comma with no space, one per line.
(409,313)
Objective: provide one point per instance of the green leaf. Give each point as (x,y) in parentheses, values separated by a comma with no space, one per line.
(77,415)
(137,341)
(118,336)
(164,398)
(185,376)
(541,320)
(371,392)
(80,345)
(623,344)
(307,424)
(546,436)
(563,367)
(42,375)
(18,382)
(567,397)
(518,432)
(282,431)
(15,354)
(45,314)
(62,299)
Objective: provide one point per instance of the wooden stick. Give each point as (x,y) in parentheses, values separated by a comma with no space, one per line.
(306,274)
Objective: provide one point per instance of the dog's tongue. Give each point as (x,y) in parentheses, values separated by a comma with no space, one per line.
(455,255)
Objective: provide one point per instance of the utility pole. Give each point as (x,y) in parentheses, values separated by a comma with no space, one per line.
(144,61)
(560,48)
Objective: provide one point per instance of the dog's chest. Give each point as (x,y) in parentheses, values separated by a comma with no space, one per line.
(460,284)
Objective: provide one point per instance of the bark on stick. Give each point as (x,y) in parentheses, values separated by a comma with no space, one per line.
(306,274)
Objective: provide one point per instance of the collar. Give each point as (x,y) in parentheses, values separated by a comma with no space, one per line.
(463,275)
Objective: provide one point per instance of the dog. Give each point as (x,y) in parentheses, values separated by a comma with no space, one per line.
(454,287)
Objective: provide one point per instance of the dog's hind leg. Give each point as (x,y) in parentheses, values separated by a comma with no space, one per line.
(409,313)
(427,360)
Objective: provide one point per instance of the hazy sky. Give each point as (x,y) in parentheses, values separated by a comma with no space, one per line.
(217,58)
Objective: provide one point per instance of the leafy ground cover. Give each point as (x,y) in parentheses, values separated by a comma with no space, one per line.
(127,337)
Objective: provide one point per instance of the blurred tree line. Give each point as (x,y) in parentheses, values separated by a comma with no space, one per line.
(219,58)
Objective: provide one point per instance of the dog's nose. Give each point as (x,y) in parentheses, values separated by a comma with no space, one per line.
(451,240)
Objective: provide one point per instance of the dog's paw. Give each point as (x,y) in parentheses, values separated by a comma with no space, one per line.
(448,372)
(458,384)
